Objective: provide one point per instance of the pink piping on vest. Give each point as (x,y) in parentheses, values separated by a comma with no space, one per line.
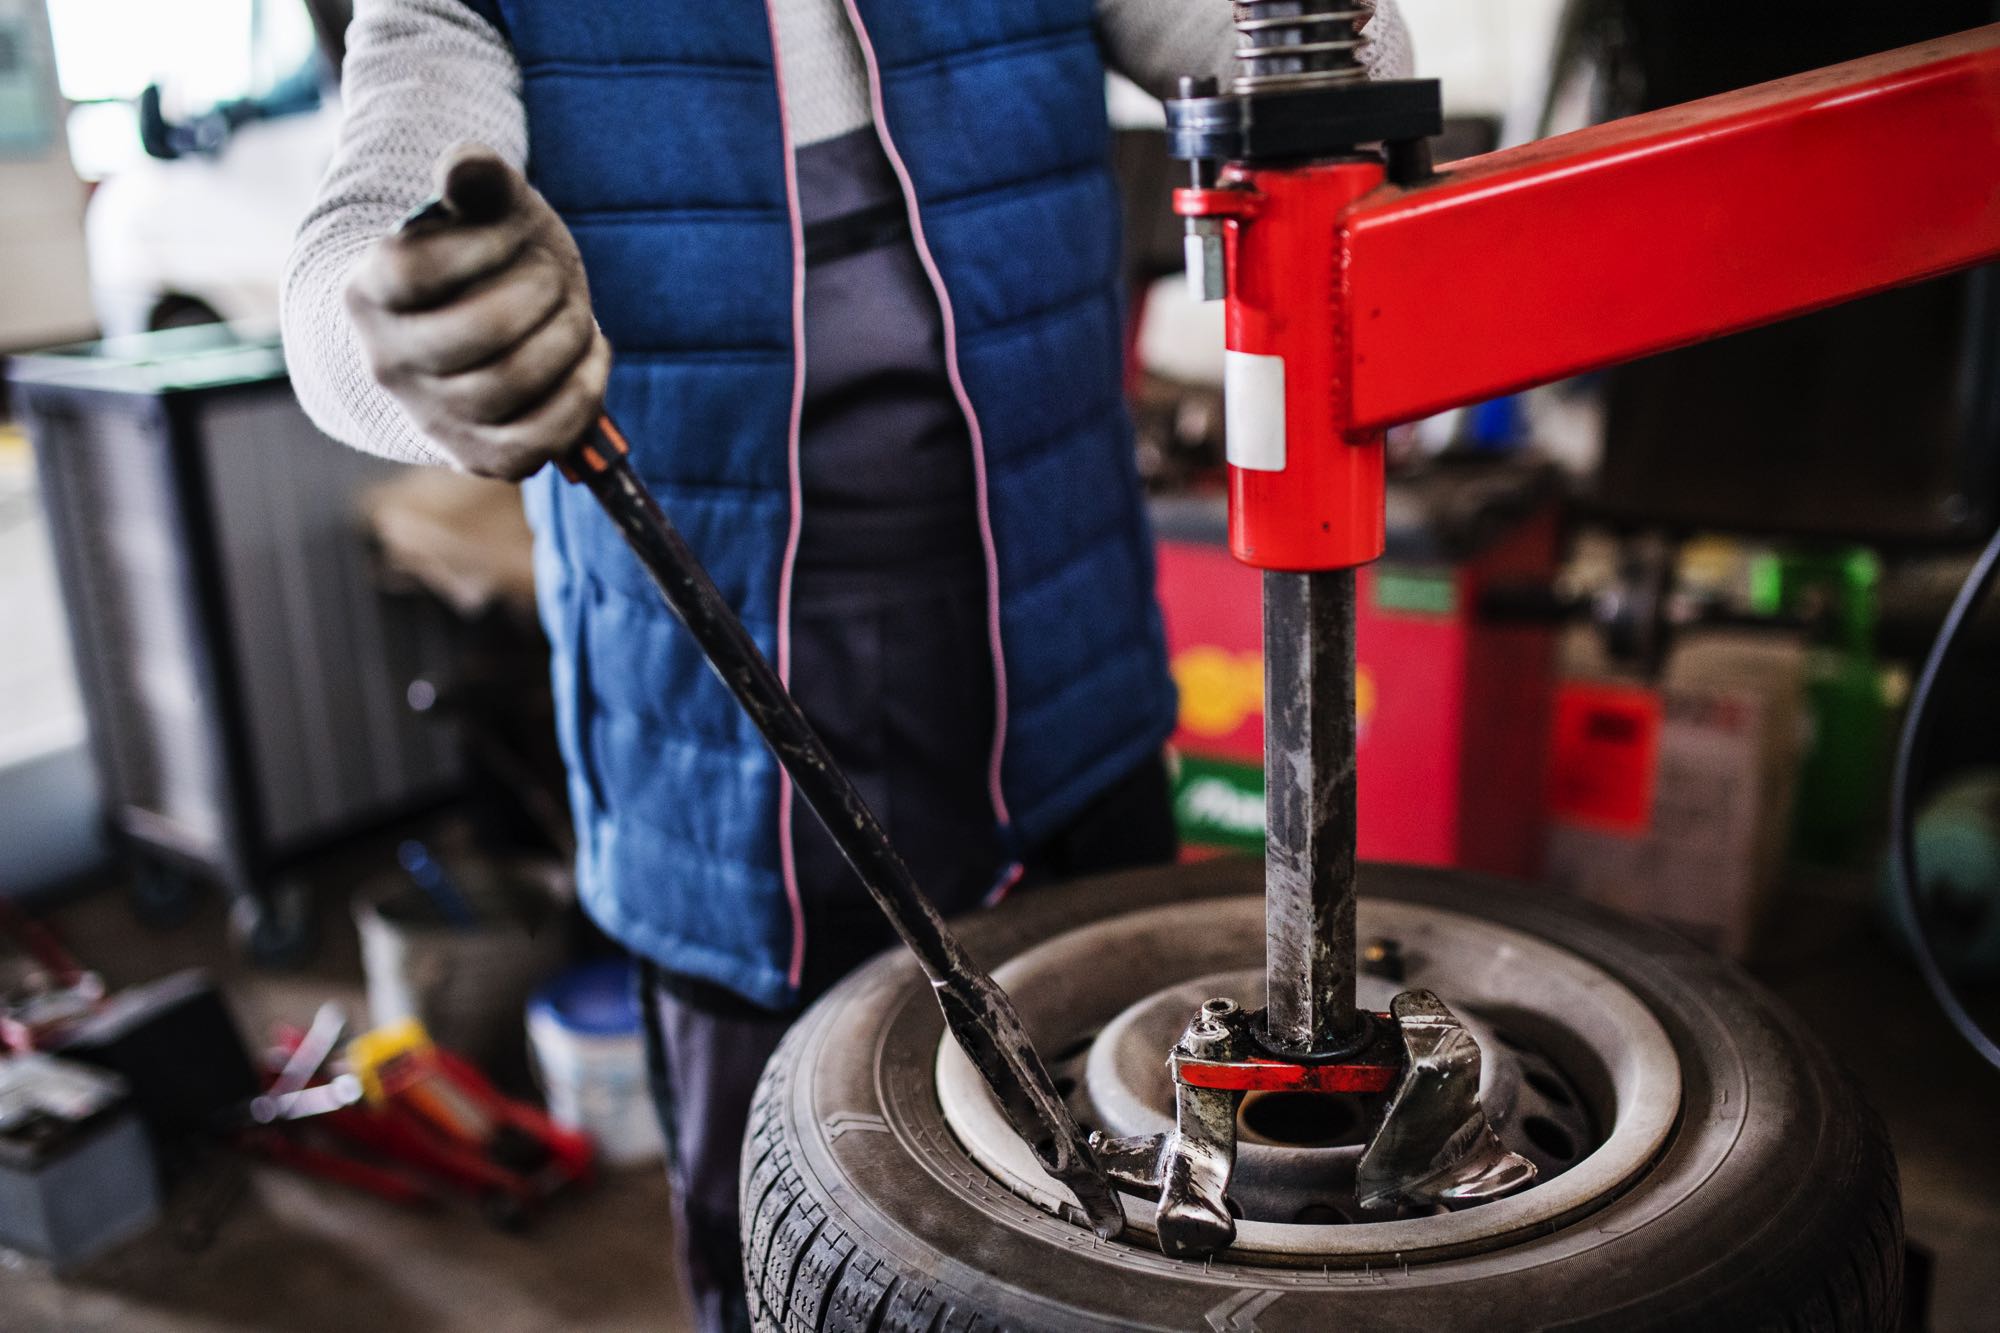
(787,853)
(1008,879)
(964,403)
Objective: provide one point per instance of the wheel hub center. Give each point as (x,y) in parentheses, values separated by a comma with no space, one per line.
(1295,1152)
(1576,1073)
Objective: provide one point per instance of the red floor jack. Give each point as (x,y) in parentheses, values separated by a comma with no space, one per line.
(409,1121)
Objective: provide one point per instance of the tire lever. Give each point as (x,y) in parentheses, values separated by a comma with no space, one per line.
(978,1012)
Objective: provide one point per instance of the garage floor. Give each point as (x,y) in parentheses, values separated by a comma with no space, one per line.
(294,1254)
(302,1256)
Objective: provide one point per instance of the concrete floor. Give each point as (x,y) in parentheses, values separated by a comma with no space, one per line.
(294,1254)
(299,1256)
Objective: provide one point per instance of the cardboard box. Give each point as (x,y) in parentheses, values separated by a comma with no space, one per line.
(1673,802)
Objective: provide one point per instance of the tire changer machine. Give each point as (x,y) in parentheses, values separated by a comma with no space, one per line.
(1363,289)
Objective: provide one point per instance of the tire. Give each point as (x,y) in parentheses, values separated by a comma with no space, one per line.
(1773,1205)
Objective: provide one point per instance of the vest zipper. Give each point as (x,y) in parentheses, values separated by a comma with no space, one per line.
(1010,873)
(787,852)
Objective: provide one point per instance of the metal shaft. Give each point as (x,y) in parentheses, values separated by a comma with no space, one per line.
(1309,824)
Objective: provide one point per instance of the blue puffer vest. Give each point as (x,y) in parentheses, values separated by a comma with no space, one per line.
(656,132)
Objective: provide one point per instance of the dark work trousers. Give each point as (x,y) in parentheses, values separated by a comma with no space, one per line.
(901,689)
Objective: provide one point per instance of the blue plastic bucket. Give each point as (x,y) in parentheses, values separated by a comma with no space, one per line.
(589,1047)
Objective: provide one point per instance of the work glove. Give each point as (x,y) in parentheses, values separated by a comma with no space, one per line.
(476,319)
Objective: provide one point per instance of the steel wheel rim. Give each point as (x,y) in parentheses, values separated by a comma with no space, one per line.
(1083,980)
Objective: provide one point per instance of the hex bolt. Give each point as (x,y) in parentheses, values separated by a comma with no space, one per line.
(1209,1035)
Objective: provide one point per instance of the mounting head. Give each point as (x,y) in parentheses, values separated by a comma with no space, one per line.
(1267,128)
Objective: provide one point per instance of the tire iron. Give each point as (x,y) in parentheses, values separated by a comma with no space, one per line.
(977,1011)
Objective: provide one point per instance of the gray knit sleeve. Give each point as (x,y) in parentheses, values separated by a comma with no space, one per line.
(420,77)
(1154,42)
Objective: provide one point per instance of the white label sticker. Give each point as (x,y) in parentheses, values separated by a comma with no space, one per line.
(1253,411)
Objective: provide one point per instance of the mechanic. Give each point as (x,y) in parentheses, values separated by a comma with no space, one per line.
(848,279)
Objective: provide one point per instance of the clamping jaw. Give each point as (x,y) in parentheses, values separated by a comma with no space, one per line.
(1431,1145)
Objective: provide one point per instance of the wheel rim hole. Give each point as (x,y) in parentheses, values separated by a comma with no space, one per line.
(1321,1215)
(1550,1137)
(1079,1047)
(1548,1086)
(1065,1086)
(1303,1119)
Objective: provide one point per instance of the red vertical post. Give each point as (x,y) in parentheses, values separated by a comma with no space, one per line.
(1302,496)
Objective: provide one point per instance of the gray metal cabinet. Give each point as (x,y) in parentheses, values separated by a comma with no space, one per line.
(244,675)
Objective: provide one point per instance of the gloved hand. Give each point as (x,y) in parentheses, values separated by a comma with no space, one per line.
(480,324)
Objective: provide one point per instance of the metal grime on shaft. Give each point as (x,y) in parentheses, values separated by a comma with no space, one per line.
(1309,814)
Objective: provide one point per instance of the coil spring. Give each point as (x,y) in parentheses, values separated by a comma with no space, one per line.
(1289,45)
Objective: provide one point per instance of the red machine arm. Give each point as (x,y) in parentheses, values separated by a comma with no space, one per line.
(1630,238)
